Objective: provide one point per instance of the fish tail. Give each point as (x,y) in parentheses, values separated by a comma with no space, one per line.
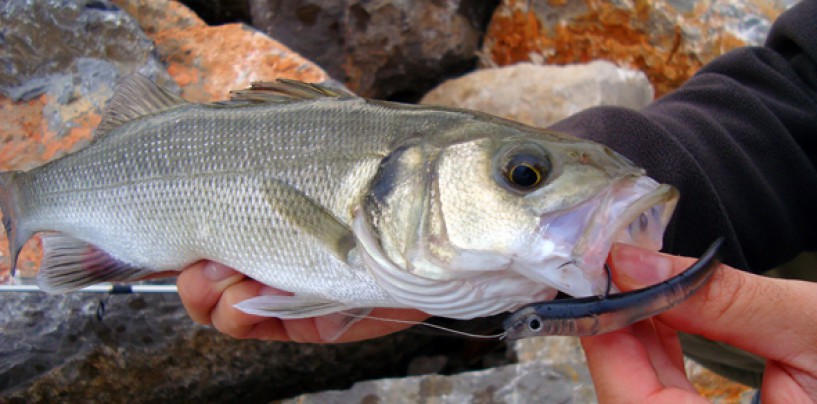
(11,217)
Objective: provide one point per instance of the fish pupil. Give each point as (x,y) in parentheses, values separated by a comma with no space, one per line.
(534,324)
(524,175)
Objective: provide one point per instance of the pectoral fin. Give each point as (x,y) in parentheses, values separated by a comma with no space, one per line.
(312,218)
(336,318)
(289,306)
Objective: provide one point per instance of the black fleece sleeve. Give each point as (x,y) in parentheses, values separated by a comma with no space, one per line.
(739,140)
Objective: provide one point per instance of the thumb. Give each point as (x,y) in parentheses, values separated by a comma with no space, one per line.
(773,318)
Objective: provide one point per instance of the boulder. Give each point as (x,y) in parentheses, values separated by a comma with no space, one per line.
(383,49)
(209,61)
(146,349)
(541,95)
(668,40)
(532,382)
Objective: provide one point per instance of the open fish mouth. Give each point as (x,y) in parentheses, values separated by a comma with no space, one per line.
(635,211)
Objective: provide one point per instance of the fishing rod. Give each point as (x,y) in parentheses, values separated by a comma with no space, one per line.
(101,288)
(107,289)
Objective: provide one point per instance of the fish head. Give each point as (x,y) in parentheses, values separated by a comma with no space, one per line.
(507,197)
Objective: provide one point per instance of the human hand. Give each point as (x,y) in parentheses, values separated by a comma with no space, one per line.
(209,292)
(773,318)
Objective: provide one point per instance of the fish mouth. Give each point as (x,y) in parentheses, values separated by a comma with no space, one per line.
(638,209)
(635,210)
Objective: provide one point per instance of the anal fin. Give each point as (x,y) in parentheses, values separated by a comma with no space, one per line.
(70,264)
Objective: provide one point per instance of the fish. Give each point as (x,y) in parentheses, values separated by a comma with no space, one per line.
(595,315)
(348,203)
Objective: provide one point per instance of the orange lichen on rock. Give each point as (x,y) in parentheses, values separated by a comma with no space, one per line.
(20,130)
(716,388)
(604,32)
(641,36)
(209,61)
(514,36)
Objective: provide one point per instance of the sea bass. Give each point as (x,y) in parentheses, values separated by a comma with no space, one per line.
(346,202)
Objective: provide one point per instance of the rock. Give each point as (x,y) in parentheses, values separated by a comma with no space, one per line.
(383,49)
(146,349)
(668,40)
(541,95)
(207,62)
(532,382)
(314,29)
(56,77)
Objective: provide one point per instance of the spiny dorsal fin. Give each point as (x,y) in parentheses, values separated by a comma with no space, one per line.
(285,90)
(136,96)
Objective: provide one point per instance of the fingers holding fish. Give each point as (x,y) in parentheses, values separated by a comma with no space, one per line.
(238,324)
(201,285)
(210,291)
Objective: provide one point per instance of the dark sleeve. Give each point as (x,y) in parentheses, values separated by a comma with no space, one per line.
(739,140)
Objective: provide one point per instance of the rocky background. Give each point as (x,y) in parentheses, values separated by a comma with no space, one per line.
(535,61)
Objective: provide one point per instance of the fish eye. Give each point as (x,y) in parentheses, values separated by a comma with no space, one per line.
(526,172)
(534,323)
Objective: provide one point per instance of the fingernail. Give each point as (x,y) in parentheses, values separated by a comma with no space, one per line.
(641,267)
(217,272)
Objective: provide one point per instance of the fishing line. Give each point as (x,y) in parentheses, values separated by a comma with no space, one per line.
(499,336)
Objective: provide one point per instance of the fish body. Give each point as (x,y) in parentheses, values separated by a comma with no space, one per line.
(346,202)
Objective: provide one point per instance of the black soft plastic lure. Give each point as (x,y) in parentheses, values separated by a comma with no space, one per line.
(601,314)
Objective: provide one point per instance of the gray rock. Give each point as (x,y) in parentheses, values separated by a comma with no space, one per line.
(532,382)
(43,38)
(381,49)
(146,349)
(541,95)
(314,29)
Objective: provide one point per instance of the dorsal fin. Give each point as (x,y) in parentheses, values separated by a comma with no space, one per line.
(285,90)
(135,96)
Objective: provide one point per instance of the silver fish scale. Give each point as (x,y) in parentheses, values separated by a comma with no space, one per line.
(209,182)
